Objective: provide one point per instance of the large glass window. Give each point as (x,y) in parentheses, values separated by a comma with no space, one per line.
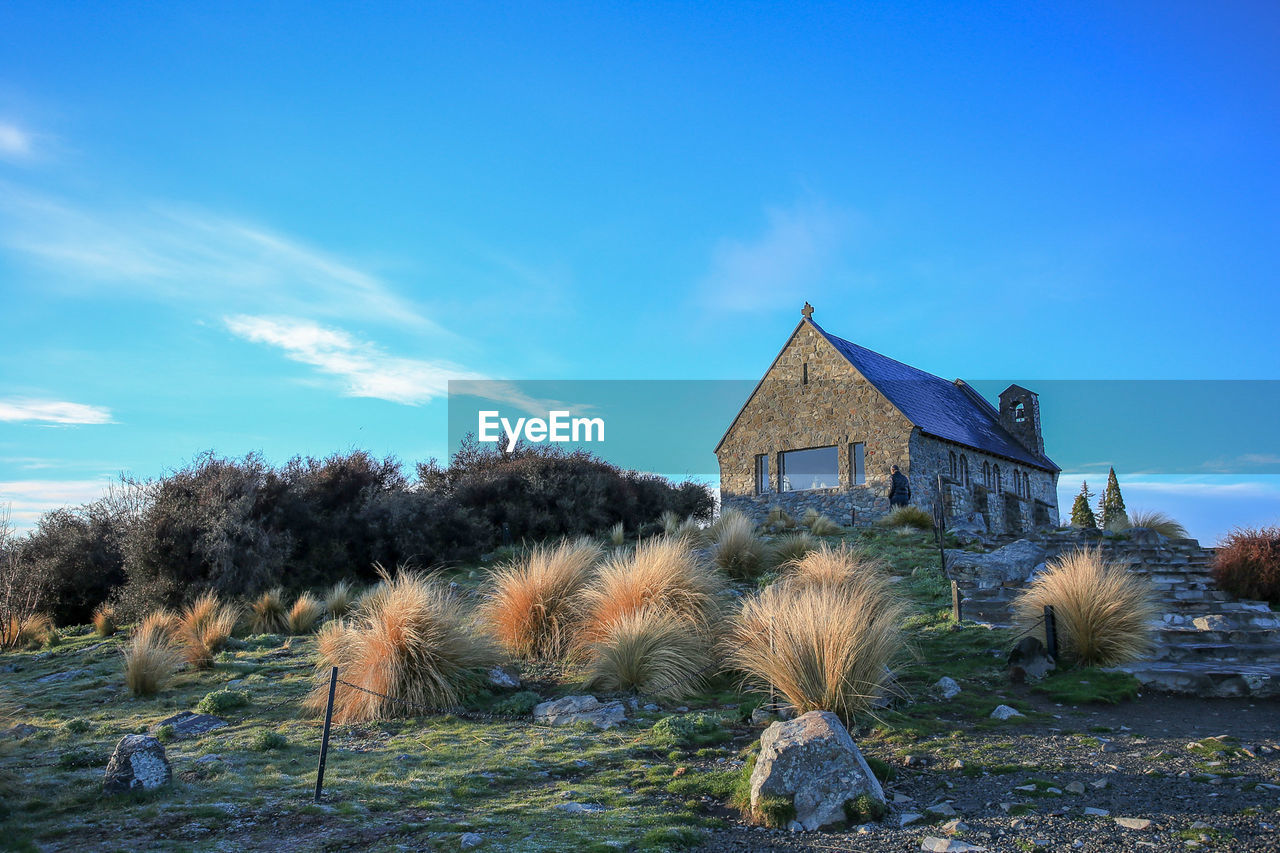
(815,468)
(762,474)
(858,463)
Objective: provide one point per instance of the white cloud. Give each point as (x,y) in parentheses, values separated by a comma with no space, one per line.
(22,409)
(27,500)
(15,143)
(797,246)
(194,257)
(364,368)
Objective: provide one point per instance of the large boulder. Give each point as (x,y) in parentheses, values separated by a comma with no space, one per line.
(969,528)
(813,761)
(139,762)
(1011,565)
(580,709)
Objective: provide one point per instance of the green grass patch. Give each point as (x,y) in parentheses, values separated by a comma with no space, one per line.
(1089,685)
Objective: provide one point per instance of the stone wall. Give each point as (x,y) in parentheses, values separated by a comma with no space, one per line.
(1002,509)
(840,505)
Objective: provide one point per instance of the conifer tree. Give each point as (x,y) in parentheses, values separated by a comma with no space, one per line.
(1111,509)
(1081,514)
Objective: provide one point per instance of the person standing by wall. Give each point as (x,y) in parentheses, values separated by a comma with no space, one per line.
(899,488)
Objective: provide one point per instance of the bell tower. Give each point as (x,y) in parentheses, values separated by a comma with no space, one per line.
(1020,416)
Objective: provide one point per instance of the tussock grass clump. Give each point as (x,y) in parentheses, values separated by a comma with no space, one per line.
(820,525)
(162,621)
(151,659)
(670,522)
(823,646)
(617,535)
(104,620)
(738,551)
(267,613)
(1103,612)
(793,546)
(779,520)
(834,566)
(204,628)
(339,599)
(27,632)
(661,573)
(307,610)
(1248,563)
(409,639)
(908,516)
(653,651)
(532,607)
(1161,522)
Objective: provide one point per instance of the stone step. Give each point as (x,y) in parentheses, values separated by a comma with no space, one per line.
(1208,679)
(1217,652)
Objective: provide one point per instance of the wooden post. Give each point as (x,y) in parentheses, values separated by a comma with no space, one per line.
(324,739)
(1051,631)
(955,602)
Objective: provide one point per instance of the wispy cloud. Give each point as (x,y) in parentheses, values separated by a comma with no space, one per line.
(24,409)
(191,256)
(15,143)
(363,368)
(27,500)
(797,246)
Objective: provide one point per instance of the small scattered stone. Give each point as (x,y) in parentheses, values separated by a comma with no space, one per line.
(1004,712)
(1057,792)
(62,676)
(1090,811)
(954,826)
(1099,784)
(943,809)
(470,839)
(1018,824)
(908,818)
(898,799)
(1076,787)
(501,676)
(933,844)
(1027,788)
(21,730)
(189,724)
(581,808)
(915,761)
(1110,747)
(580,709)
(947,687)
(1138,823)
(956,764)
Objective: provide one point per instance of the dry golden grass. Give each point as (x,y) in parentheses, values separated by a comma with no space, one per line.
(204,628)
(532,606)
(409,639)
(1160,522)
(779,519)
(339,599)
(150,659)
(908,516)
(306,612)
(617,535)
(26,632)
(661,573)
(104,620)
(163,620)
(653,651)
(820,525)
(267,614)
(670,522)
(1103,612)
(823,646)
(738,551)
(834,566)
(793,546)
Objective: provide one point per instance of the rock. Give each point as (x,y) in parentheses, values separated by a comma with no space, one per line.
(580,709)
(908,818)
(62,676)
(470,839)
(653,709)
(915,761)
(951,827)
(940,810)
(762,716)
(1075,787)
(795,826)
(139,761)
(813,761)
(947,688)
(188,724)
(1004,712)
(969,528)
(1010,564)
(1099,784)
(1090,811)
(581,808)
(898,799)
(933,844)
(1029,660)
(21,730)
(1110,747)
(1138,823)
(504,677)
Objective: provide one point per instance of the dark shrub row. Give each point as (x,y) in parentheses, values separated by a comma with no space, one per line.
(239,526)
(1248,563)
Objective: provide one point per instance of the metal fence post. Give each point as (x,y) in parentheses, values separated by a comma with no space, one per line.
(324,739)
(1051,631)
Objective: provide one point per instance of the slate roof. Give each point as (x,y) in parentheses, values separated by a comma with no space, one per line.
(948,410)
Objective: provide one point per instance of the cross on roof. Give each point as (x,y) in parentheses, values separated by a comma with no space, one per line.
(807,311)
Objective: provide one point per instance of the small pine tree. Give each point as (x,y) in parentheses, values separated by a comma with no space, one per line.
(1081,515)
(1111,509)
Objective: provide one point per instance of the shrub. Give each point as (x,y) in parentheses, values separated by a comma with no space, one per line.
(793,546)
(828,566)
(338,600)
(204,628)
(1160,522)
(222,701)
(1103,612)
(104,620)
(908,516)
(737,548)
(532,607)
(408,639)
(1248,563)
(689,731)
(267,614)
(76,554)
(823,646)
(518,704)
(266,739)
(306,611)
(661,573)
(653,651)
(150,659)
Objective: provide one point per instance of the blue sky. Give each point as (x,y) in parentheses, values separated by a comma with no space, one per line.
(283,227)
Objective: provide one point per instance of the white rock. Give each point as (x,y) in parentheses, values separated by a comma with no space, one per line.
(947,687)
(139,761)
(500,676)
(1090,811)
(1075,787)
(470,839)
(1004,712)
(908,818)
(580,709)
(1138,823)
(581,808)
(933,844)
(941,810)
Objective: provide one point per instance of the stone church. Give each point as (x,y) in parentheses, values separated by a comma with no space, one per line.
(829,419)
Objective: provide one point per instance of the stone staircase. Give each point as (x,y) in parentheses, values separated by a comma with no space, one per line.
(1207,643)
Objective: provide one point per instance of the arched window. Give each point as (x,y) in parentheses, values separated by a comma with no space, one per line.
(986,474)
(1026,485)
(964,470)
(995,475)
(1019,412)
(955,470)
